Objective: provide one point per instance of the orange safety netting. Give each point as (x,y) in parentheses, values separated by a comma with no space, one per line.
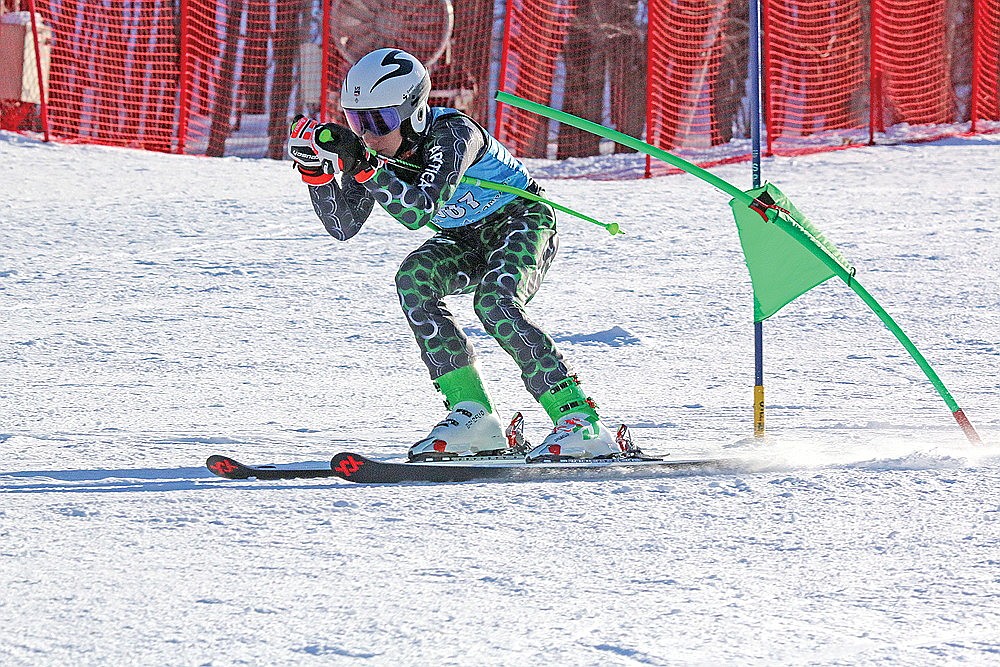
(240,64)
(685,49)
(452,39)
(814,59)
(223,78)
(534,38)
(911,81)
(113,77)
(985,102)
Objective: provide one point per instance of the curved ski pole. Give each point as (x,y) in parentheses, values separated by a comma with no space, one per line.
(612,228)
(772,215)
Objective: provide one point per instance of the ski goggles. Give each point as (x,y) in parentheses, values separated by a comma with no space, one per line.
(379,122)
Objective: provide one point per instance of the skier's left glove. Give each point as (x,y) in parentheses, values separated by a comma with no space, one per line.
(340,141)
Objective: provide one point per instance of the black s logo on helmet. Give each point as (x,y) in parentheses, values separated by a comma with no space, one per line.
(403,67)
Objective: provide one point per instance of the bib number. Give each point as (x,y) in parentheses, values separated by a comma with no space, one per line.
(458,210)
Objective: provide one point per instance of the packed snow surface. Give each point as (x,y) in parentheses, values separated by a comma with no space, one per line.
(157,309)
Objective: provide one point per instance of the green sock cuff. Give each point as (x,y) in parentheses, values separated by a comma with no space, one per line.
(463,384)
(564,398)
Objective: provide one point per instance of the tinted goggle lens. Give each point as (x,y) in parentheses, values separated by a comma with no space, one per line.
(379,122)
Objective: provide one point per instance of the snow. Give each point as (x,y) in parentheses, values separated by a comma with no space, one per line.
(161,308)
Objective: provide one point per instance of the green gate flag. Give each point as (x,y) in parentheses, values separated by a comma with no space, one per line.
(781,269)
(772,266)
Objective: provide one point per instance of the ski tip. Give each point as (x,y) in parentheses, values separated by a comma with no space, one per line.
(223,466)
(345,464)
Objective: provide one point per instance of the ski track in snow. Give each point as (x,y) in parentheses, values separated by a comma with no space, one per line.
(161,308)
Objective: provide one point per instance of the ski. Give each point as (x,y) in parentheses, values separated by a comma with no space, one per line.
(363,470)
(354,467)
(230,468)
(505,464)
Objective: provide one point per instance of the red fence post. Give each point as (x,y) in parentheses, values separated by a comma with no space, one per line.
(43,104)
(324,75)
(874,89)
(184,75)
(770,128)
(977,61)
(504,52)
(650,138)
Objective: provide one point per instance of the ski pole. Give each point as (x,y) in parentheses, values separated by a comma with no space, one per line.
(612,228)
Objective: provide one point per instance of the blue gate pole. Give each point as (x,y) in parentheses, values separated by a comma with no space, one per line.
(754,74)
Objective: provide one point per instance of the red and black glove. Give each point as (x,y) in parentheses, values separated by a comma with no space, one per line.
(333,141)
(314,169)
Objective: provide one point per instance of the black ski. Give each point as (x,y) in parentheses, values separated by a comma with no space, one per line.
(223,466)
(357,468)
(506,464)
(363,470)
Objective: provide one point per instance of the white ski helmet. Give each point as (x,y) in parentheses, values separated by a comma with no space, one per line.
(385,90)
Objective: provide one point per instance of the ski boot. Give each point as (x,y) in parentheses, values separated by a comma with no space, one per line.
(470,428)
(578,432)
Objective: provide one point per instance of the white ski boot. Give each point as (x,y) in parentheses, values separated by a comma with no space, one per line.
(467,430)
(578,435)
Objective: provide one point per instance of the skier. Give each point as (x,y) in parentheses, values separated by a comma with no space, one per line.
(494,245)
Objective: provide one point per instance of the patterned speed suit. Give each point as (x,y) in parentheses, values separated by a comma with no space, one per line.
(495,245)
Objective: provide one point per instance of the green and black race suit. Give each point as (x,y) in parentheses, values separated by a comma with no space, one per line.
(493,245)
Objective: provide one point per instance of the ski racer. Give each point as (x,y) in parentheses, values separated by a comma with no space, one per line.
(410,158)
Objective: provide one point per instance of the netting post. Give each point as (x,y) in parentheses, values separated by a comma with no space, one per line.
(184,76)
(977,61)
(874,82)
(754,94)
(650,139)
(324,76)
(504,52)
(764,50)
(43,105)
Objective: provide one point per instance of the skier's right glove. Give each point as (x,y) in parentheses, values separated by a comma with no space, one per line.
(340,141)
(313,168)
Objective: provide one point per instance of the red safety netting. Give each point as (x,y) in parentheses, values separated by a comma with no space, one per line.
(911,80)
(604,74)
(113,77)
(240,66)
(985,102)
(685,49)
(452,39)
(814,59)
(223,78)
(461,77)
(586,57)
(534,37)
